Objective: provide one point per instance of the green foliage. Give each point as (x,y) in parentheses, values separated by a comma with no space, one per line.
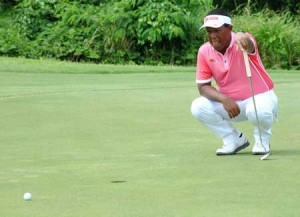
(292,6)
(34,16)
(6,5)
(276,35)
(11,43)
(155,31)
(163,28)
(71,37)
(136,31)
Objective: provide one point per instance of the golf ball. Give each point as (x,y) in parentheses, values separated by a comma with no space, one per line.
(27,196)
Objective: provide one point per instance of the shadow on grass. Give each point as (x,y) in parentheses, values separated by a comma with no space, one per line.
(280,152)
(286,152)
(274,153)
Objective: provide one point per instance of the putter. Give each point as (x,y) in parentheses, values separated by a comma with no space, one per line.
(249,75)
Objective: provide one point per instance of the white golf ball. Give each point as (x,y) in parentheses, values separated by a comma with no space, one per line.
(27,196)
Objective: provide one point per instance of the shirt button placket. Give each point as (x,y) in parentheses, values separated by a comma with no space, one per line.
(225,61)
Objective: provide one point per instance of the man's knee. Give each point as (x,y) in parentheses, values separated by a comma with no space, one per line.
(196,108)
(265,117)
(201,109)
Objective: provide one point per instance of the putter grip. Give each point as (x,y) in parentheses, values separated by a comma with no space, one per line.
(247,65)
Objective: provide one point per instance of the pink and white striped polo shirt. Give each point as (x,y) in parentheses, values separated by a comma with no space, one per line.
(229,70)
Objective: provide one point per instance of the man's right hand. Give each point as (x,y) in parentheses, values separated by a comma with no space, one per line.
(230,106)
(207,90)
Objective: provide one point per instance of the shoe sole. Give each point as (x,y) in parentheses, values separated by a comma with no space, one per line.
(236,150)
(260,153)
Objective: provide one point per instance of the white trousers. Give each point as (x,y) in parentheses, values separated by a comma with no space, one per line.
(213,115)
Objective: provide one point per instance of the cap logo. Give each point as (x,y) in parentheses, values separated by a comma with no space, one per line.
(210,18)
(216,21)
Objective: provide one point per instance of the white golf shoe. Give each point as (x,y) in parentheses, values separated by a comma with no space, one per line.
(259,149)
(232,148)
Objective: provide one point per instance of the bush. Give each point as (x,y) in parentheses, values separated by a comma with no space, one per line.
(11,43)
(277,36)
(257,5)
(168,32)
(71,37)
(151,32)
(35,16)
(135,31)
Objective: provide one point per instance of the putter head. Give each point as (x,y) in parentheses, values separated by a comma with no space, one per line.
(264,157)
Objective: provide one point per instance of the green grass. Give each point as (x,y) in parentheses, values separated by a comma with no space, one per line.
(126,145)
(64,67)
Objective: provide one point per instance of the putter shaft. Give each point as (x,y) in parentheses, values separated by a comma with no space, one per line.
(249,75)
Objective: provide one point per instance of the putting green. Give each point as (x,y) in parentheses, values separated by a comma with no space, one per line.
(126,145)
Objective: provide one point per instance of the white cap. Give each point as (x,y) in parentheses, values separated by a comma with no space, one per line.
(216,21)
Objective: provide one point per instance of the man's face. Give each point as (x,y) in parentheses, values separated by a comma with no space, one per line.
(219,38)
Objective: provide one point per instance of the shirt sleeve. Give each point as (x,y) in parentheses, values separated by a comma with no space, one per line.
(203,74)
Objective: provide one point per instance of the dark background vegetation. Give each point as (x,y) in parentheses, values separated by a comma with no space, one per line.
(142,31)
